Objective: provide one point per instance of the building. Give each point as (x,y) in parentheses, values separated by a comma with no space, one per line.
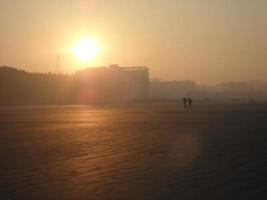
(112,84)
(171,90)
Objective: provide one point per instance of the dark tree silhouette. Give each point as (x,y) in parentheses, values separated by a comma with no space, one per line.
(20,87)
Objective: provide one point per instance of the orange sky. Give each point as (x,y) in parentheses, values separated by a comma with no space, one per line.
(207,41)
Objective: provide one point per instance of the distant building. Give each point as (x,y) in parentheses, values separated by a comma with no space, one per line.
(112,84)
(171,90)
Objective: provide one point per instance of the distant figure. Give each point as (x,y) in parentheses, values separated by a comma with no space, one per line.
(190,103)
(251,100)
(185,102)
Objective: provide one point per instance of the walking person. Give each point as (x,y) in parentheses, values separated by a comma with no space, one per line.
(190,103)
(185,102)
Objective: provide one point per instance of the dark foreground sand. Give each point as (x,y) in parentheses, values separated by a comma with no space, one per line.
(135,152)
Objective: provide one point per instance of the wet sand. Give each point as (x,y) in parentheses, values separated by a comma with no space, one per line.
(156,151)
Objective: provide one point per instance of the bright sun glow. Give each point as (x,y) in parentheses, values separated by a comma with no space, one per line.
(86,49)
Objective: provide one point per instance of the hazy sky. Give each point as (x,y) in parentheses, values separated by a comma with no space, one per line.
(207,40)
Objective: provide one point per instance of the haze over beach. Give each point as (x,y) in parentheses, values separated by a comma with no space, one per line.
(133,99)
(209,42)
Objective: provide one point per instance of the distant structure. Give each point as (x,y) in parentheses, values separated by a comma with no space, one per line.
(112,84)
(171,90)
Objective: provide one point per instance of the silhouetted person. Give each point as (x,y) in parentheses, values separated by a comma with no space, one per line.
(185,102)
(190,103)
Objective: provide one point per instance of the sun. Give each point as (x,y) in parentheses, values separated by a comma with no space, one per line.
(86,49)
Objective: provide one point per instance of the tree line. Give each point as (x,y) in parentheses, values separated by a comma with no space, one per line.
(21,87)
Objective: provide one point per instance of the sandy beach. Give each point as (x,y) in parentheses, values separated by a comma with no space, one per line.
(130,152)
